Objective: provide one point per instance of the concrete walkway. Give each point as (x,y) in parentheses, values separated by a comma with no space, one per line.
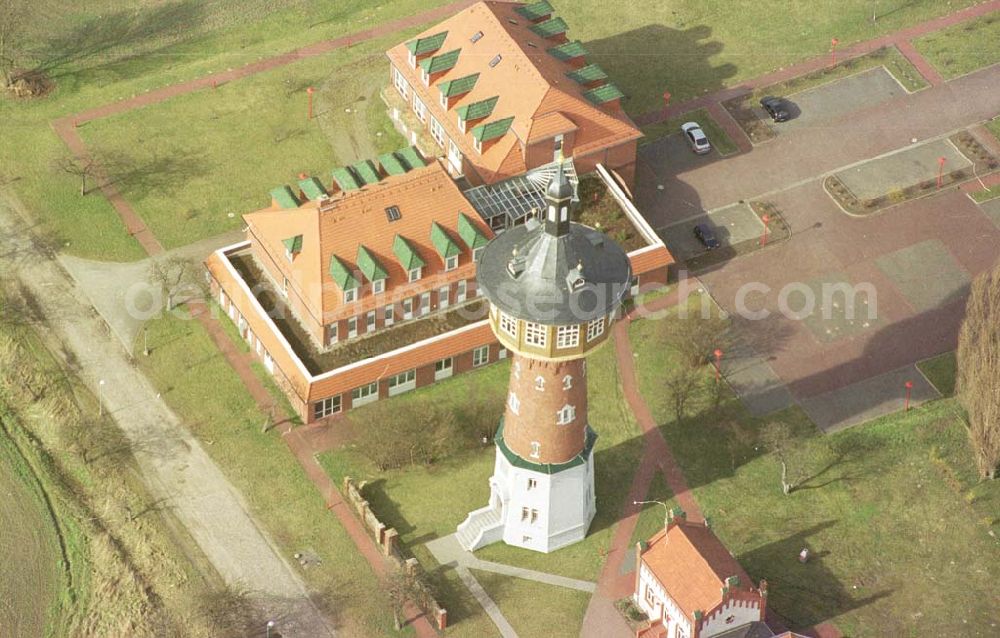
(448,551)
(174,466)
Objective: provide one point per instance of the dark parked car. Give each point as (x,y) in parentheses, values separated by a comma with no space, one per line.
(776,107)
(706,236)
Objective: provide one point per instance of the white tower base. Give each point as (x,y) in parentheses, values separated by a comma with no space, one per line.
(537,507)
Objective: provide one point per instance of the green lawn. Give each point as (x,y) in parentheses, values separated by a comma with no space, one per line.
(198,383)
(201,160)
(720,140)
(519,601)
(963,48)
(690,47)
(892,511)
(941,371)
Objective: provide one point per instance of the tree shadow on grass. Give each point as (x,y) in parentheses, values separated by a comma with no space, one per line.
(103,41)
(166,174)
(803,594)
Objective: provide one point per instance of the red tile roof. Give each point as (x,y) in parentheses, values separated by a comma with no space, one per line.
(692,564)
(531,84)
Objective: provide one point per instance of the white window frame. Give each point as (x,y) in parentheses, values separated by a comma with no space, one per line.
(425,77)
(289,255)
(411,57)
(352,327)
(419,108)
(460,293)
(502,353)
(480,356)
(535,334)
(350,295)
(454,156)
(364,394)
(536,449)
(268,362)
(476,144)
(370,321)
(325,407)
(402,382)
(415,274)
(444,297)
(508,323)
(567,382)
(477,253)
(513,402)
(444,101)
(378,286)
(284,286)
(437,131)
(408,308)
(389,315)
(425,303)
(444,368)
(566,415)
(595,328)
(333,333)
(399,81)
(568,336)
(451,263)
(540,383)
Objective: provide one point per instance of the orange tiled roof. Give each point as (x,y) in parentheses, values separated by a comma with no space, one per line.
(531,85)
(340,225)
(692,564)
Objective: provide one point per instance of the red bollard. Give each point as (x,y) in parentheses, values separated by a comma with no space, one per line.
(718,364)
(906,405)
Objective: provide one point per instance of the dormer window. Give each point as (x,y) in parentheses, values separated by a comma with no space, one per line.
(412,59)
(289,255)
(425,76)
(476,144)
(461,124)
(451,263)
(350,295)
(378,286)
(477,253)
(415,274)
(444,101)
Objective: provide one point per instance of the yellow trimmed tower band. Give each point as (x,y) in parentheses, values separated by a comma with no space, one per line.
(555,288)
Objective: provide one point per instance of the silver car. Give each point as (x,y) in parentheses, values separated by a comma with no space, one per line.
(696,138)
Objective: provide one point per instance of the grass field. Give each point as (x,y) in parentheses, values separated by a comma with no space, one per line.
(558,617)
(881,507)
(29,540)
(218,409)
(963,48)
(941,371)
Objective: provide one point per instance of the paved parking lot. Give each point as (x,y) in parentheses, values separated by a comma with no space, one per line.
(899,170)
(814,106)
(732,225)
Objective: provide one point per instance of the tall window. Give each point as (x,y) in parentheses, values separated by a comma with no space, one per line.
(595,328)
(352,327)
(534,334)
(443,297)
(437,131)
(461,290)
(508,324)
(419,108)
(568,336)
(400,83)
(480,356)
(567,382)
(370,321)
(388,315)
(425,303)
(331,333)
(326,407)
(408,308)
(514,403)
(566,414)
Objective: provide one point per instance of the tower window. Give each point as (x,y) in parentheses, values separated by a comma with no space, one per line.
(514,403)
(536,449)
(568,336)
(563,213)
(540,383)
(595,328)
(535,334)
(532,484)
(508,324)
(567,382)
(567,414)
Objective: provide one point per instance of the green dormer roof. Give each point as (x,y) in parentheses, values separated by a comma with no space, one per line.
(443,242)
(345,179)
(588,74)
(410,157)
(549,28)
(603,94)
(407,255)
(429,44)
(365,170)
(477,110)
(391,164)
(492,130)
(535,10)
(568,50)
(461,86)
(342,274)
(312,188)
(293,244)
(440,63)
(470,233)
(369,265)
(284,197)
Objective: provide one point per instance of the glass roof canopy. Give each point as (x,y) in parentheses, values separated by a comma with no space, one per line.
(507,203)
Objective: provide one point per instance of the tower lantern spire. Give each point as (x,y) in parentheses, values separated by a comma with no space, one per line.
(558,199)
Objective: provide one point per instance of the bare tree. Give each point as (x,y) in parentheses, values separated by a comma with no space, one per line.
(695,337)
(681,386)
(402,588)
(178,277)
(83,167)
(13,17)
(979,370)
(779,439)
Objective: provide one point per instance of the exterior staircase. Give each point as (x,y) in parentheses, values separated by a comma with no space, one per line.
(480,528)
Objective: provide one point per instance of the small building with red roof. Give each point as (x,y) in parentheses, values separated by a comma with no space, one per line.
(690,586)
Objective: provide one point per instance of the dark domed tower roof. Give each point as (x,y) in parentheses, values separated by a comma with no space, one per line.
(556,271)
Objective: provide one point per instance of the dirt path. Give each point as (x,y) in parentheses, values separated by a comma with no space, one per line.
(174,465)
